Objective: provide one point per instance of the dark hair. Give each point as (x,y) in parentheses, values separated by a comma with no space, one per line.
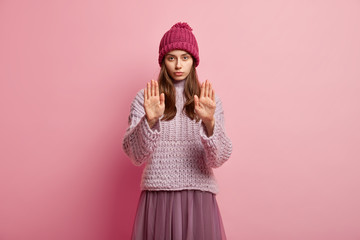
(192,86)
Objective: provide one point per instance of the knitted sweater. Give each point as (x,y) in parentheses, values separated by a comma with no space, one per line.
(178,153)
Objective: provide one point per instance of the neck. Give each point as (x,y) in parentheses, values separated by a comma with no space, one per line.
(179,84)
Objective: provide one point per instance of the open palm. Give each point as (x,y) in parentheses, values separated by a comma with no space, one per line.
(154,104)
(206,104)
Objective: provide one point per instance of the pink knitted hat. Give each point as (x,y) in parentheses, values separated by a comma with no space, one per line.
(180,37)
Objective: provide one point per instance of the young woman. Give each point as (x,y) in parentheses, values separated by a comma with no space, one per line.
(176,127)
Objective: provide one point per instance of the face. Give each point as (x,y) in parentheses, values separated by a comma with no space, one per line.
(178,64)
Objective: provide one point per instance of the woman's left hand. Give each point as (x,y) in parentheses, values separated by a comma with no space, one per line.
(206,104)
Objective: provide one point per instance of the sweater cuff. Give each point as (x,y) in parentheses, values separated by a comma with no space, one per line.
(150,133)
(210,141)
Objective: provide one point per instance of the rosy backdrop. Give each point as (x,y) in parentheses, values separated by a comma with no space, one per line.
(288,74)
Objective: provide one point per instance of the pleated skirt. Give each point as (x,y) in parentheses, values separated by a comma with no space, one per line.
(178,215)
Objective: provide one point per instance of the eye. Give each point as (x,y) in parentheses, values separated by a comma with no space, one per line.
(170,58)
(186,57)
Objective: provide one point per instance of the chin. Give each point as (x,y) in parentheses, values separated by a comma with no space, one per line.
(179,78)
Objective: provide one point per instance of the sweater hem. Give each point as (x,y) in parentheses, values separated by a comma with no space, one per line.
(214,191)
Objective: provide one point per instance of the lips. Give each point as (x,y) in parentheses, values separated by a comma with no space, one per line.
(178,73)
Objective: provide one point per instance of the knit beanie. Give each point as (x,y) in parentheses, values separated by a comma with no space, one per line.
(179,37)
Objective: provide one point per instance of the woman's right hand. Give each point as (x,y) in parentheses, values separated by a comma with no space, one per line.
(154,104)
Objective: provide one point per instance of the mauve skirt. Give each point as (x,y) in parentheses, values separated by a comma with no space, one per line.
(178,215)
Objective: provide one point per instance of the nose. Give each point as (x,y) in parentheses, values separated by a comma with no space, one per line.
(178,63)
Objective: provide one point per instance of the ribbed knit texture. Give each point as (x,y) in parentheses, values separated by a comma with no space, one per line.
(180,37)
(178,153)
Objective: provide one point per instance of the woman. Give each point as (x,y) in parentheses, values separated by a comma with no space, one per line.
(176,127)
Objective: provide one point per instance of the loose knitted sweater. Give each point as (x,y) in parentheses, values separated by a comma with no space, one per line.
(178,153)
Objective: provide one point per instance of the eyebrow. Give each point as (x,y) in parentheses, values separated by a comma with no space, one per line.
(175,55)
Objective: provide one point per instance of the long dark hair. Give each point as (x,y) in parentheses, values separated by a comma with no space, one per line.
(192,86)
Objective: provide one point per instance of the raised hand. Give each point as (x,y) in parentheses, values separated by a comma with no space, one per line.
(206,104)
(154,104)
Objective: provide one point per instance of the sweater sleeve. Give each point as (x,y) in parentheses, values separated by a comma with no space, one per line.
(218,147)
(140,140)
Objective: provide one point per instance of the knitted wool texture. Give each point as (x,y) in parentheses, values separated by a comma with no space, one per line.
(178,153)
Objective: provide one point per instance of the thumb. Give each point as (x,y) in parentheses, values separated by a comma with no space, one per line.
(162,98)
(196,99)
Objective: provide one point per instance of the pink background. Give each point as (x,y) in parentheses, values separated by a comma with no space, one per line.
(288,74)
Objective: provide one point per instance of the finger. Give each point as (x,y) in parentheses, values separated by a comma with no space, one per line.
(207,88)
(162,98)
(152,87)
(202,90)
(148,90)
(210,91)
(157,88)
(145,94)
